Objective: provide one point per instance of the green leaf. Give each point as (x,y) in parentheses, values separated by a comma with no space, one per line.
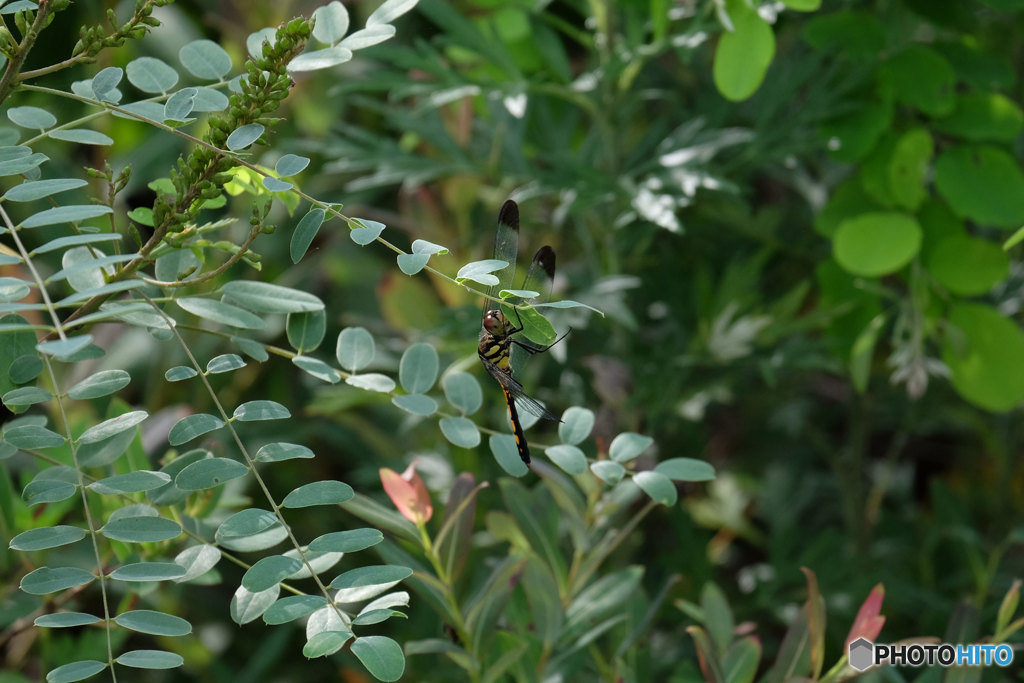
(306,330)
(410,264)
(686,469)
(503,447)
(31,117)
(372,35)
(320,59)
(209,473)
(481,271)
(74,240)
(628,445)
(20,165)
(275,185)
(985,353)
(417,371)
(983,184)
(251,529)
(31,437)
(851,136)
(381,656)
(151,75)
(576,425)
(150,659)
(71,213)
(148,571)
(293,607)
(387,12)
(251,348)
(246,605)
(154,623)
(192,426)
(331,23)
(102,383)
(365,231)
(606,596)
(220,312)
(47,537)
(205,59)
(269,571)
(569,458)
(82,136)
(47,580)
(326,492)
(317,368)
(276,452)
(197,560)
(874,244)
(305,232)
(264,297)
(75,671)
(372,382)
(104,84)
(62,348)
(659,487)
(355,349)
(460,431)
(26,396)
(244,135)
(968,266)
(350,541)
(32,190)
(417,404)
(141,529)
(291,164)
(920,77)
(608,471)
(983,117)
(66,619)
(253,411)
(114,425)
(908,167)
(325,643)
(744,54)
(463,391)
(130,482)
(13,289)
(224,363)
(179,373)
(47,491)
(365,582)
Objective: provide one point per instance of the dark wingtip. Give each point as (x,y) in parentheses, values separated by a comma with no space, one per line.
(545,256)
(509,214)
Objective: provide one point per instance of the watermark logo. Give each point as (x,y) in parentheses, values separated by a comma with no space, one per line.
(863,654)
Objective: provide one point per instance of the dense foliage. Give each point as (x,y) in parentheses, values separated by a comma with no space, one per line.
(787,255)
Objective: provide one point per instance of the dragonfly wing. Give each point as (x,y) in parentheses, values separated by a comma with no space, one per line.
(515,389)
(506,248)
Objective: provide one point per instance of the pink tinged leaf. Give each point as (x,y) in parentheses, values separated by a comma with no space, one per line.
(869,621)
(409,494)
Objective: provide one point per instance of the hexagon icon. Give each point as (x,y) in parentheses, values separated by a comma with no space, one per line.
(861,654)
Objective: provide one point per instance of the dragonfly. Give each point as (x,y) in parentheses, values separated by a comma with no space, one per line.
(500,351)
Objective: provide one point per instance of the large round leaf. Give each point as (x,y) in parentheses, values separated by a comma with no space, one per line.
(982,183)
(985,352)
(874,244)
(744,54)
(968,265)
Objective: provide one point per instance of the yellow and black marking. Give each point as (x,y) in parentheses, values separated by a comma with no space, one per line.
(497,338)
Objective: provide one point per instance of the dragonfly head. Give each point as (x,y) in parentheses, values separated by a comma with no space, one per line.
(495,322)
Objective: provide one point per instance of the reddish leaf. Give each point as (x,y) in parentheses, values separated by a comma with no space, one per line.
(869,621)
(409,494)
